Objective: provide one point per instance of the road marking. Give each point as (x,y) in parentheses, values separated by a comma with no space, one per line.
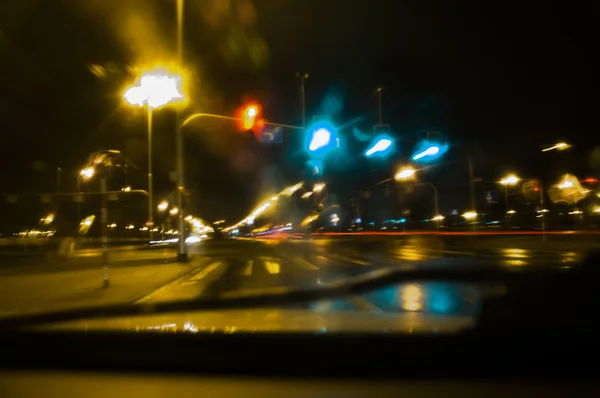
(247,271)
(302,263)
(363,305)
(204,272)
(164,290)
(272,267)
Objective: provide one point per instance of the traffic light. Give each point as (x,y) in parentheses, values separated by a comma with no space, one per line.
(380,147)
(321,138)
(428,151)
(250,117)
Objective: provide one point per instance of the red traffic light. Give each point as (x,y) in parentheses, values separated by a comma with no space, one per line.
(249,116)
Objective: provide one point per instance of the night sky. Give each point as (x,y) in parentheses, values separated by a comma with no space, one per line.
(500,79)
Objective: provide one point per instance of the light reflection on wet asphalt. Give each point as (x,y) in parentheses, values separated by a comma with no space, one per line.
(276,264)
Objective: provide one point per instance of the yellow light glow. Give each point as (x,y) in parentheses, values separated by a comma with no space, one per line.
(509,180)
(405,173)
(412,298)
(88,172)
(439,217)
(567,182)
(48,219)
(126,189)
(560,147)
(155,90)
(163,206)
(318,187)
(174,211)
(469,215)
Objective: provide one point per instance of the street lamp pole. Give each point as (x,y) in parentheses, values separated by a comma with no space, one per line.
(104,228)
(181,249)
(150,177)
(78,197)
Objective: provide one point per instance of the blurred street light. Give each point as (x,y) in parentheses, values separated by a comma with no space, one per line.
(126,189)
(506,181)
(154,90)
(163,206)
(88,172)
(318,187)
(469,215)
(48,219)
(559,147)
(405,173)
(438,217)
(509,180)
(174,211)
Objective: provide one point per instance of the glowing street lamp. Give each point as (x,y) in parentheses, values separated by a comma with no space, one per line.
(153,91)
(88,172)
(559,147)
(405,173)
(509,180)
(469,215)
(163,206)
(506,181)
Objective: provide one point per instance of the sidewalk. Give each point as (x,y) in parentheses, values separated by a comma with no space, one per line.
(24,293)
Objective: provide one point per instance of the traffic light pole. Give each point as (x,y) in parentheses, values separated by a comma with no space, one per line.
(181,249)
(195,116)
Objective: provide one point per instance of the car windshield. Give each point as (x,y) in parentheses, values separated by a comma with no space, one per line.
(179,151)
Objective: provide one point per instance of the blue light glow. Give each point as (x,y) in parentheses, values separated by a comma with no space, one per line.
(321,138)
(380,147)
(428,151)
